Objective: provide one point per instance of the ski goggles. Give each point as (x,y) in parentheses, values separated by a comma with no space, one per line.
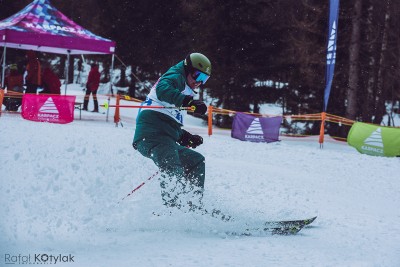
(200,76)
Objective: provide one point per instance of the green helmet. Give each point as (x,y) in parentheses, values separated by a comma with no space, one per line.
(199,62)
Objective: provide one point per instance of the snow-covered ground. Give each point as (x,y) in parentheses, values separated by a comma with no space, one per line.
(60,185)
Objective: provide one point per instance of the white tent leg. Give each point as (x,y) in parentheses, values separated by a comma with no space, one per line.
(3,71)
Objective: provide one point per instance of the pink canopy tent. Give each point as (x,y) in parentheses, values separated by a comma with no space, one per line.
(41,27)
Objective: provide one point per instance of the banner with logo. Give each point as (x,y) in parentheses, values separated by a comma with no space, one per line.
(48,108)
(331,49)
(247,127)
(374,139)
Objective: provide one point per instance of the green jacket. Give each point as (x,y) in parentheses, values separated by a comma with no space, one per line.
(154,125)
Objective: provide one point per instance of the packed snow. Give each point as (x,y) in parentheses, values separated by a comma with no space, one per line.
(60,187)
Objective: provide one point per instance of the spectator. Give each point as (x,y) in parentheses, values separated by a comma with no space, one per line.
(33,78)
(92,85)
(50,82)
(14,84)
(14,80)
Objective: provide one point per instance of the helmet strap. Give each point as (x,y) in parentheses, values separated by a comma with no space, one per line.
(188,61)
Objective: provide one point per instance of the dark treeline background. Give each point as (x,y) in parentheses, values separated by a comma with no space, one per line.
(257,40)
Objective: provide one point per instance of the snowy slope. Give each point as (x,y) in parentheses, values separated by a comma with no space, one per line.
(60,185)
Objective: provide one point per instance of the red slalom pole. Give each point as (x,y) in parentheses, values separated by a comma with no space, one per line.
(139,186)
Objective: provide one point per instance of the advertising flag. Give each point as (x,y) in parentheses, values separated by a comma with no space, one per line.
(48,108)
(375,140)
(331,49)
(256,129)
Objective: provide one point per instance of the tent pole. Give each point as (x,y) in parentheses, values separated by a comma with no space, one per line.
(67,72)
(3,70)
(111,77)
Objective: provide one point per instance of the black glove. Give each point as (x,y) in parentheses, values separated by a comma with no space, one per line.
(199,106)
(190,140)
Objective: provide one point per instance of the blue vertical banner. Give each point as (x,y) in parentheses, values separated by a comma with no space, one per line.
(331,50)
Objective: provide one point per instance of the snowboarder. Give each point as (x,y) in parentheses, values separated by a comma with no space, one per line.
(159,135)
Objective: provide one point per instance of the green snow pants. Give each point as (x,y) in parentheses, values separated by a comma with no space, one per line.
(183,171)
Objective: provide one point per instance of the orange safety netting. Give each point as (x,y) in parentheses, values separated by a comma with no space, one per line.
(1,97)
(323,117)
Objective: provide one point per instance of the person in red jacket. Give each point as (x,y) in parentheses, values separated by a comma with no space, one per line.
(34,77)
(91,87)
(50,82)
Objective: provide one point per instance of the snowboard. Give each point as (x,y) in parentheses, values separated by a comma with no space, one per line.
(291,227)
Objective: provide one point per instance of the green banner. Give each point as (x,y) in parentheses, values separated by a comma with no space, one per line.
(374,139)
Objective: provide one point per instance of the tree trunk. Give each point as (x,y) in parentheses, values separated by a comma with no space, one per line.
(71,69)
(62,67)
(122,80)
(256,108)
(201,94)
(105,74)
(380,108)
(354,70)
(368,102)
(132,85)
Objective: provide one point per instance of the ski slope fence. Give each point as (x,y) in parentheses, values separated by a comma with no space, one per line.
(323,117)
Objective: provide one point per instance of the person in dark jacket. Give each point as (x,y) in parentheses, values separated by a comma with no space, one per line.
(50,82)
(14,82)
(34,77)
(160,137)
(92,85)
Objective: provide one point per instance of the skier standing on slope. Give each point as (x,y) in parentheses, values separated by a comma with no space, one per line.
(159,135)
